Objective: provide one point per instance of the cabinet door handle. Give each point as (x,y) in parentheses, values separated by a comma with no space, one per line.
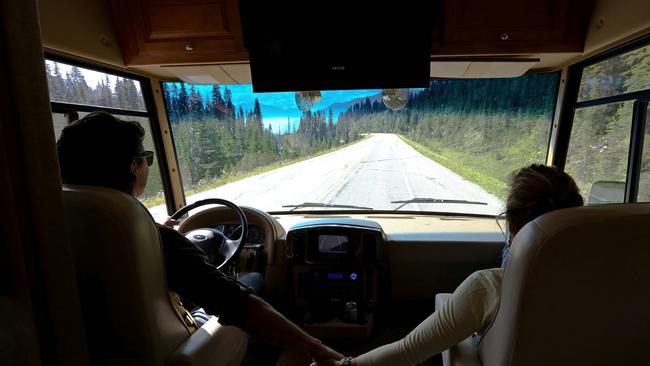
(504,36)
(189,47)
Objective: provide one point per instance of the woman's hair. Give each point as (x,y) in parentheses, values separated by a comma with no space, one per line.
(98,150)
(536,190)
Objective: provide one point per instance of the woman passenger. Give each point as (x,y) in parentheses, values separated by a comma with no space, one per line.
(534,191)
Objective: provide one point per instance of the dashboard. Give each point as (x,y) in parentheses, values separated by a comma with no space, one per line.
(335,266)
(329,265)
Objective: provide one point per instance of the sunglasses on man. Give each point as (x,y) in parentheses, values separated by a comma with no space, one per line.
(148,155)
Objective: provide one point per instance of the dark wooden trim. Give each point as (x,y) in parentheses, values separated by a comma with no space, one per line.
(636,95)
(635,152)
(483,59)
(59,107)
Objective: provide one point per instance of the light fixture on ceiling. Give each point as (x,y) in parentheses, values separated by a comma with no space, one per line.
(305,100)
(395,99)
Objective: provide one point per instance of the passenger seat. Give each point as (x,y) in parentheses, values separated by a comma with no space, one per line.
(575,292)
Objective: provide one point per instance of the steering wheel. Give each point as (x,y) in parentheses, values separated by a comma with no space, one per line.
(220,249)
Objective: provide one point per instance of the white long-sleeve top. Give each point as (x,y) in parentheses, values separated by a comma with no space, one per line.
(471,308)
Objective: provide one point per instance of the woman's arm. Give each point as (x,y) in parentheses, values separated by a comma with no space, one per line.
(268,325)
(470,309)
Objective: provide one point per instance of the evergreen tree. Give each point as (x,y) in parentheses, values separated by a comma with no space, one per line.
(218,105)
(230,108)
(257,116)
(131,96)
(196,101)
(119,94)
(104,93)
(57,89)
(183,101)
(77,90)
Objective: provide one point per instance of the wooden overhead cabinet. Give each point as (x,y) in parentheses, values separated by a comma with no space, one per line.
(466,27)
(167,32)
(159,32)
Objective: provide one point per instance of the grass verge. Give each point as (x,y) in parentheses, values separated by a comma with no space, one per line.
(456,162)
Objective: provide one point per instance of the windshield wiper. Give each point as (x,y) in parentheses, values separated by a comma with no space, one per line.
(318,204)
(435,200)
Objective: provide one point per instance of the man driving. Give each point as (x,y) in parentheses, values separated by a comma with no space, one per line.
(101,150)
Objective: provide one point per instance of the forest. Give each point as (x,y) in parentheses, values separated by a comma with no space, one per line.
(73,88)
(214,138)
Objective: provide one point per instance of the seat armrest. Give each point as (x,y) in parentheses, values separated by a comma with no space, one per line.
(213,344)
(464,353)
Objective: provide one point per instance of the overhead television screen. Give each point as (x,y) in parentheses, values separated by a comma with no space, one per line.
(337,44)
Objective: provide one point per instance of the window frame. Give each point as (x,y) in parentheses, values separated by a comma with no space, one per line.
(150,113)
(570,104)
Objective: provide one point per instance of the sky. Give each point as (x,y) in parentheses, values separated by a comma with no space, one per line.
(279,109)
(242,94)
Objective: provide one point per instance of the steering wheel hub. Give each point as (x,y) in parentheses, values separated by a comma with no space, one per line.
(221,250)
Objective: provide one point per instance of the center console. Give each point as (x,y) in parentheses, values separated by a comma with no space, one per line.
(336,274)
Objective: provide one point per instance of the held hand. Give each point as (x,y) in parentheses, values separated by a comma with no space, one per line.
(321,353)
(332,362)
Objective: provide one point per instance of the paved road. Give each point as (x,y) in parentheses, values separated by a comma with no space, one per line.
(371,173)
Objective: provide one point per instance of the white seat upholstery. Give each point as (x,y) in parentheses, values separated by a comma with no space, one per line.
(575,292)
(128,317)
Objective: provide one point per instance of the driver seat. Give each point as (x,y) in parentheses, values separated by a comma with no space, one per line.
(128,315)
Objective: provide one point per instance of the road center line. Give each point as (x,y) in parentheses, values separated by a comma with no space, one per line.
(406,180)
(337,184)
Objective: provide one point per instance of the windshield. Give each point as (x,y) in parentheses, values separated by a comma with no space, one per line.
(448,148)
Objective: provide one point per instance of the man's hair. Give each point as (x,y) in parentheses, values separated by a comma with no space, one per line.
(98,149)
(538,189)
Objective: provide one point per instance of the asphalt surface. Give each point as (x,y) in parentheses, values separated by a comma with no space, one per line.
(371,174)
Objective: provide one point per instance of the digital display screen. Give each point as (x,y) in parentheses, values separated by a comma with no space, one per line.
(332,244)
(335,276)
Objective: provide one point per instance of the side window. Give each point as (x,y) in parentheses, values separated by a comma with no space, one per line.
(608,153)
(598,151)
(76,91)
(616,75)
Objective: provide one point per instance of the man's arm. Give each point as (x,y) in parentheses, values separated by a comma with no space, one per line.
(268,325)
(191,275)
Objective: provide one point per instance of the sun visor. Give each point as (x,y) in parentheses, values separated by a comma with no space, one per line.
(481,68)
(212,74)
